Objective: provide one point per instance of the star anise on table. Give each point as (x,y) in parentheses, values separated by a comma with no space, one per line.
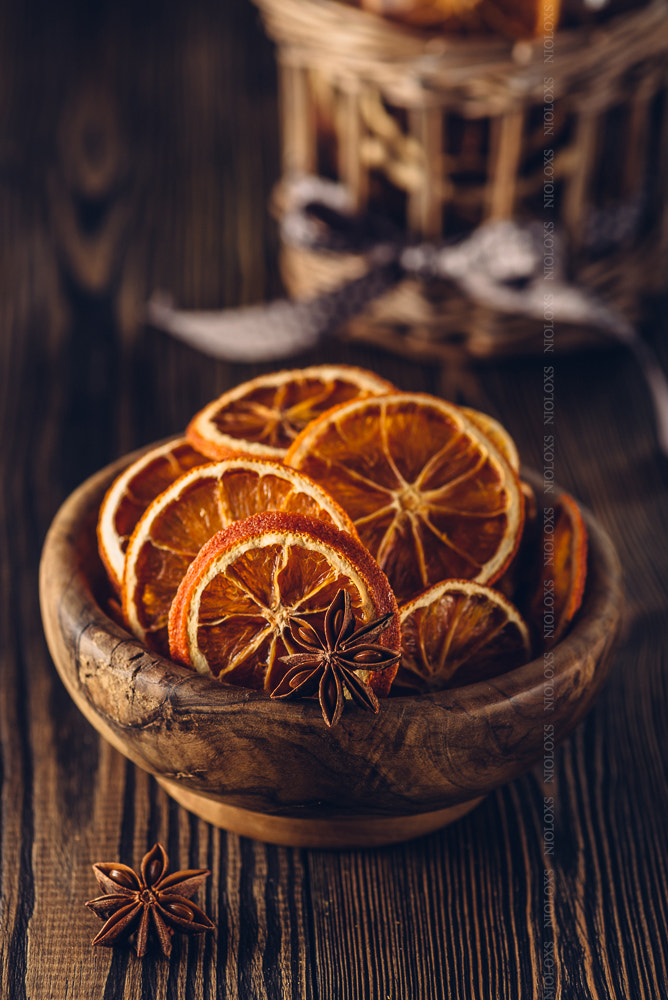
(327,664)
(135,904)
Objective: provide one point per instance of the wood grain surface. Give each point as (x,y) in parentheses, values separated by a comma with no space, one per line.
(137,153)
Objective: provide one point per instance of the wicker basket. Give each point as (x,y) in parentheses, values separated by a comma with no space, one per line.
(441,134)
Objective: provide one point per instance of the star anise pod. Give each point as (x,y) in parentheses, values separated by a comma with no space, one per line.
(134,904)
(327,664)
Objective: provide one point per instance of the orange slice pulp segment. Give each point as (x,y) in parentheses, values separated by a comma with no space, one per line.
(263,417)
(430,495)
(200,503)
(456,633)
(231,611)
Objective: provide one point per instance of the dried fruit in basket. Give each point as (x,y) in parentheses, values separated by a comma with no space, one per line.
(457,633)
(429,493)
(510,18)
(130,494)
(232,614)
(421,13)
(186,515)
(262,417)
(520,18)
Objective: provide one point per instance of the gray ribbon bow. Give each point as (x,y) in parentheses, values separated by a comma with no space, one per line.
(500,266)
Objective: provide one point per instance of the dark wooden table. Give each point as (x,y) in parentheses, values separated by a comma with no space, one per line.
(138,147)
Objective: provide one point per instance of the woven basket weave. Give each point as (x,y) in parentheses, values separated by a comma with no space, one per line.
(441,134)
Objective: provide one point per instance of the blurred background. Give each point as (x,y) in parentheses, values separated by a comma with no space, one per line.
(140,149)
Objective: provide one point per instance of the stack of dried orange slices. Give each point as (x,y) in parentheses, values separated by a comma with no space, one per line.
(318,532)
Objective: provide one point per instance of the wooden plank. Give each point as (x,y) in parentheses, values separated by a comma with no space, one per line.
(504,159)
(297,124)
(350,129)
(425,204)
(578,184)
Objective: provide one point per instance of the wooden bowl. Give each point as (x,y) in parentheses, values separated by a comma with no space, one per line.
(274,771)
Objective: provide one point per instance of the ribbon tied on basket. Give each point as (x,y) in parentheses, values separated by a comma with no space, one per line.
(500,265)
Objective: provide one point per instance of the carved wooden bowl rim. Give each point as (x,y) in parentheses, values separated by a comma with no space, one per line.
(240,748)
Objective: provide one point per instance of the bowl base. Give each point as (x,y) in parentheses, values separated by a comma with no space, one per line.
(289,831)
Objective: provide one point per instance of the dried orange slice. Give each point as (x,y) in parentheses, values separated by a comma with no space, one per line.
(201,502)
(456,633)
(520,18)
(512,18)
(262,417)
(421,13)
(512,582)
(233,608)
(130,494)
(497,434)
(430,495)
(557,594)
